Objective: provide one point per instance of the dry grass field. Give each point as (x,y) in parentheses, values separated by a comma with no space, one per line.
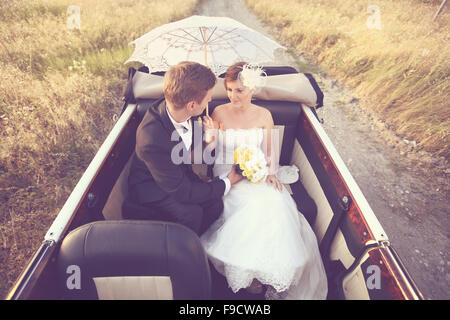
(60,87)
(397,65)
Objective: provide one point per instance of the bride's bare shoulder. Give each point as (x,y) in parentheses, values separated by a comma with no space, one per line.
(262,112)
(222,107)
(219,110)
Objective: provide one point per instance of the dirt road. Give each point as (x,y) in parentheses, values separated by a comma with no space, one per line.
(408,190)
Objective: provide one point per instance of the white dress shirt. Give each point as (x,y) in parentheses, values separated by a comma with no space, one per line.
(184,129)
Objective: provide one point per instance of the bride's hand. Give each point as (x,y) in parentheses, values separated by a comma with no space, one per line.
(272,180)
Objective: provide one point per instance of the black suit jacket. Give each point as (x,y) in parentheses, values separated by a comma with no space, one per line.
(153,174)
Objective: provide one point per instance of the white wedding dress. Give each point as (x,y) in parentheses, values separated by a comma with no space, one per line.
(261,234)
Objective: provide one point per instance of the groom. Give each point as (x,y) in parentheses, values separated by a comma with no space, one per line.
(159,188)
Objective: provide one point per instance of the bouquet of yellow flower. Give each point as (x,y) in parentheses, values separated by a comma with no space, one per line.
(251,163)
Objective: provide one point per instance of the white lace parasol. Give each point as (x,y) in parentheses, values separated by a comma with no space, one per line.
(217,42)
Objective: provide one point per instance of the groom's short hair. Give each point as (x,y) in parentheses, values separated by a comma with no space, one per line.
(186,82)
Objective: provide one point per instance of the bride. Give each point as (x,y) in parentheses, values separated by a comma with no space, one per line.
(260,240)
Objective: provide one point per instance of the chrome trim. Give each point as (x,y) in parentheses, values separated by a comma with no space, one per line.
(24,280)
(411,285)
(398,265)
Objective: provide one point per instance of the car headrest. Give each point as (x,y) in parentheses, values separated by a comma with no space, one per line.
(133,260)
(294,87)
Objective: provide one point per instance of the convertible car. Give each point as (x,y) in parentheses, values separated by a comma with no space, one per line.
(91,252)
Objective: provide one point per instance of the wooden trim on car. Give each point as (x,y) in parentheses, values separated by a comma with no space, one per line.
(398,287)
(364,232)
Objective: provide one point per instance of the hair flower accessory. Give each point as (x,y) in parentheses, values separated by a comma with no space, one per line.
(252,76)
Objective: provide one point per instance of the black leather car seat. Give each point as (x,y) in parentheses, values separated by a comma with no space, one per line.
(133,260)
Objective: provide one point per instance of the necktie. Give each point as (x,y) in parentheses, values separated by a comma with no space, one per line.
(184,128)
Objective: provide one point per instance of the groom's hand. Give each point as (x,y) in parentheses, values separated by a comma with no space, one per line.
(233,176)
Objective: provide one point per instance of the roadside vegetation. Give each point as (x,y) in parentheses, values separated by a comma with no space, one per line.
(60,87)
(398,65)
